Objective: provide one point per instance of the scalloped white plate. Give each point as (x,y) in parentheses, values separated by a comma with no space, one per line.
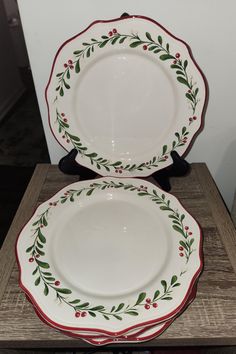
(109,255)
(125,93)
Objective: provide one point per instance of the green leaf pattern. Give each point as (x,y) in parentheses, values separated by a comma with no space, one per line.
(45,278)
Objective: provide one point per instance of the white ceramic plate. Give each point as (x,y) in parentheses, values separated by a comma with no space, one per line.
(109,255)
(125,93)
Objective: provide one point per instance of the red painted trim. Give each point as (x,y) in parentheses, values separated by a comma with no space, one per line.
(170,34)
(145,323)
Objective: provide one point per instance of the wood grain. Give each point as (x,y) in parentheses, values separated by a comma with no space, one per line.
(28,203)
(210,320)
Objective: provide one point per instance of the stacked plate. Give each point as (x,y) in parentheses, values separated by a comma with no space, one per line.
(117,259)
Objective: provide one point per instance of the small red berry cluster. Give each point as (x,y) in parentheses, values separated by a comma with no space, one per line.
(142,188)
(114,31)
(191,119)
(53,203)
(119,169)
(69,64)
(65,120)
(149,303)
(80,313)
(177,55)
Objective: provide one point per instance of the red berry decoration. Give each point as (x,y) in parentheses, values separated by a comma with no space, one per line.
(148,300)
(83,314)
(147,307)
(190,119)
(71,67)
(181,254)
(110,33)
(181,248)
(31,260)
(114,30)
(57,283)
(63,114)
(155,305)
(65,120)
(70,62)
(175,62)
(186,228)
(190,233)
(77,314)
(67,140)
(145,47)
(37,256)
(65,65)
(177,55)
(194,118)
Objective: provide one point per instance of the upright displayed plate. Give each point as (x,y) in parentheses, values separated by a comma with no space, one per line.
(125,93)
(109,255)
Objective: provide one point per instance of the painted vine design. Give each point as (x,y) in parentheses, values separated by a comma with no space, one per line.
(82,309)
(157,47)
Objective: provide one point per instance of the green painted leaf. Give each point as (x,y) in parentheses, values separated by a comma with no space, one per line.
(166,57)
(92,155)
(157,293)
(90,191)
(135,44)
(47,273)
(176,284)
(76,52)
(98,308)
(92,313)
(37,281)
(114,40)
(167,298)
(142,194)
(68,74)
(159,40)
(167,47)
(149,36)
(164,284)
(42,264)
(178,229)
(59,74)
(164,149)
(39,244)
(113,308)
(185,64)
(117,317)
(40,252)
(184,130)
(46,290)
(104,37)
(61,92)
(191,241)
(82,306)
(120,307)
(141,297)
(122,40)
(50,278)
(77,67)
(106,317)
(152,47)
(74,302)
(35,271)
(66,85)
(183,81)
(183,244)
(132,313)
(101,45)
(178,72)
(157,51)
(182,217)
(29,249)
(88,53)
(117,163)
(189,97)
(175,66)
(63,290)
(173,280)
(163,207)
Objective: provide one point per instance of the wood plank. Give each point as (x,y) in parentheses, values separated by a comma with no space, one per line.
(220,214)
(7,254)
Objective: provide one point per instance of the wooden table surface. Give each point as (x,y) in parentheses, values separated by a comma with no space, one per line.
(210,320)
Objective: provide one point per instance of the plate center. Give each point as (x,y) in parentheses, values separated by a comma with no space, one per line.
(125,104)
(110,248)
